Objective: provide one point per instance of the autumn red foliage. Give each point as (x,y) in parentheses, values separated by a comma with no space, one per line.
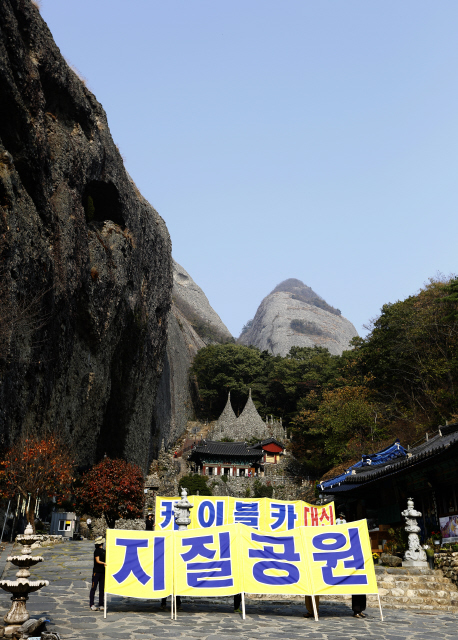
(113,488)
(36,467)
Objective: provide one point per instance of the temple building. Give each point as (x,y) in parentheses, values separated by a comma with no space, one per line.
(378,486)
(235,458)
(214,457)
(226,458)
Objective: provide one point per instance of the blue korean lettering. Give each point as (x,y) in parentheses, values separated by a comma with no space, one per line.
(198,548)
(247,513)
(167,514)
(213,574)
(278,560)
(159,563)
(280,512)
(131,561)
(292,516)
(208,516)
(330,544)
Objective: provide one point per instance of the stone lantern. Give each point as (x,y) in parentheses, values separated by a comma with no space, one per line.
(182,512)
(415,556)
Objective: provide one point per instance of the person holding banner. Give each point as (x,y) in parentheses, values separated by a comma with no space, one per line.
(309,606)
(237,603)
(358,604)
(98,574)
(164,603)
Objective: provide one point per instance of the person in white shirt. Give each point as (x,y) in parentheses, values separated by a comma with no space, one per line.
(341,519)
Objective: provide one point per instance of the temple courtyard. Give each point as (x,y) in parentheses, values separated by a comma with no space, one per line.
(65,603)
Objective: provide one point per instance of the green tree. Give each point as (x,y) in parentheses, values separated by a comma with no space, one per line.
(195,483)
(341,428)
(262,490)
(228,367)
(411,357)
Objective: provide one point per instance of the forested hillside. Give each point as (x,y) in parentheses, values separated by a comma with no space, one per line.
(399,381)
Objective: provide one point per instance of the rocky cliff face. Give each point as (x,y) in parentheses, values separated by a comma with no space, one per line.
(294,315)
(192,324)
(189,298)
(85,261)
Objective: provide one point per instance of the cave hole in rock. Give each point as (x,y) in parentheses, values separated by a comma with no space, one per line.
(101,202)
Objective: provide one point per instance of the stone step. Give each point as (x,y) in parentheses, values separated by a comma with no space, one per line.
(427,584)
(403,588)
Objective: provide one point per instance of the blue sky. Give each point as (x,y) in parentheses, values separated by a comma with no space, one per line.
(284,139)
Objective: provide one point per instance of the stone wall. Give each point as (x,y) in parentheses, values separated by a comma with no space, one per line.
(448,564)
(241,487)
(99,526)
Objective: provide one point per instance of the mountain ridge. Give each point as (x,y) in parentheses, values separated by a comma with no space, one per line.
(295,315)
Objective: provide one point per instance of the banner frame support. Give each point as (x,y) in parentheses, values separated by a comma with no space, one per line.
(105,605)
(380,606)
(315,610)
(243,605)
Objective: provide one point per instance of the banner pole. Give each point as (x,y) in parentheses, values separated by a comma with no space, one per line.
(380,606)
(104,605)
(175,605)
(243,605)
(315,611)
(173,574)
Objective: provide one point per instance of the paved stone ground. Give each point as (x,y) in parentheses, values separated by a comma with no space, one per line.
(66,604)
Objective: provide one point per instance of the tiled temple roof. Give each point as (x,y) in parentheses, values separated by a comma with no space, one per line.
(446,437)
(232,449)
(259,445)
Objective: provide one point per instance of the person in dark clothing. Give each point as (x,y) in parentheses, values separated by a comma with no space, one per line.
(164,601)
(358,604)
(237,602)
(98,574)
(150,522)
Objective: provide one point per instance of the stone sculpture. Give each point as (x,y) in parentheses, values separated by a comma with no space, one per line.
(182,511)
(22,586)
(415,555)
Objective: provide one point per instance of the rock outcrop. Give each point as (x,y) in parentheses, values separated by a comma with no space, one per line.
(85,260)
(192,324)
(189,298)
(294,315)
(177,393)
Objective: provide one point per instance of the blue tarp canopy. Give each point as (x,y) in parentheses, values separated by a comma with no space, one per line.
(382,457)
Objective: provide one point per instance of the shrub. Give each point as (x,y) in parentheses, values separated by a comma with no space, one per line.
(195,483)
(262,490)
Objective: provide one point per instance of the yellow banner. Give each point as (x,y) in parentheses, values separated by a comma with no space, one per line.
(340,559)
(208,511)
(247,511)
(317,516)
(258,513)
(225,560)
(165,520)
(274,562)
(139,563)
(207,562)
(283,515)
